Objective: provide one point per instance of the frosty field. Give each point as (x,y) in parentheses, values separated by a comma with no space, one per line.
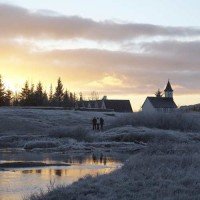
(53,130)
(163,151)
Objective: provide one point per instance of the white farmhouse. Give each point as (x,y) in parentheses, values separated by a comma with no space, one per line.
(164,104)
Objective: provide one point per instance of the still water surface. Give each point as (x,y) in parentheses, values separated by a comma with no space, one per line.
(21,182)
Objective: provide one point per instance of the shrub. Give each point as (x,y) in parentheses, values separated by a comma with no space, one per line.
(167,121)
(10,138)
(142,134)
(9,141)
(78,133)
(40,144)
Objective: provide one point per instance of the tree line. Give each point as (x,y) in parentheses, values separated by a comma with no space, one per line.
(35,95)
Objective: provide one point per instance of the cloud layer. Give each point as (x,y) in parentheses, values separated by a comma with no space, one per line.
(159,62)
(137,67)
(16,21)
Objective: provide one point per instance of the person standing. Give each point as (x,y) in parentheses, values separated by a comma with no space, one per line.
(101,123)
(98,124)
(94,123)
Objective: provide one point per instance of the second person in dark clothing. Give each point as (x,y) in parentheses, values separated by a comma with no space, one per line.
(98,124)
(94,123)
(101,123)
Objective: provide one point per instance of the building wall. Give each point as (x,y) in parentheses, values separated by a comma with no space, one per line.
(169,94)
(147,107)
(89,105)
(103,106)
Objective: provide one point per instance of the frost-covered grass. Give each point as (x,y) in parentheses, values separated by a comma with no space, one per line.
(13,141)
(167,170)
(78,133)
(142,134)
(172,121)
(34,122)
(40,144)
(19,126)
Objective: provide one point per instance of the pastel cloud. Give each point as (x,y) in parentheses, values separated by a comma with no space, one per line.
(19,22)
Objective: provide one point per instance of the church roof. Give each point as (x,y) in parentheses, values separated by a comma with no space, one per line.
(168,87)
(162,102)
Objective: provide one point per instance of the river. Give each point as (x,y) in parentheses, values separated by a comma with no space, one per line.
(17,183)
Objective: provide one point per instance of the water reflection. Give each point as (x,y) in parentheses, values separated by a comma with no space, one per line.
(18,183)
(56,157)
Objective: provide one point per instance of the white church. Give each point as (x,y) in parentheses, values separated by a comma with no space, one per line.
(159,103)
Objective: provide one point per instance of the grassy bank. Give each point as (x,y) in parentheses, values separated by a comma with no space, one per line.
(161,171)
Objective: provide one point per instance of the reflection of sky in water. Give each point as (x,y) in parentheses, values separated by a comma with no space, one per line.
(18,183)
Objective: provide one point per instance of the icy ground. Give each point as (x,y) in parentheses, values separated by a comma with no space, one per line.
(56,130)
(16,121)
(165,164)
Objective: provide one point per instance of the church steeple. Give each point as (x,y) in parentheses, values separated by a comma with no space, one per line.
(168,90)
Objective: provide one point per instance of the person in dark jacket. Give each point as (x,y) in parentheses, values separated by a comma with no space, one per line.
(98,124)
(101,123)
(94,123)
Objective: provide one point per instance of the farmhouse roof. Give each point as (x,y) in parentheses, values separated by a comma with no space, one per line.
(118,105)
(82,103)
(92,103)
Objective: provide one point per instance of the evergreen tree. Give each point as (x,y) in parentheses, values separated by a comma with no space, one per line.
(71,99)
(66,99)
(8,98)
(32,99)
(16,100)
(32,89)
(45,99)
(74,98)
(29,96)
(58,96)
(2,92)
(25,95)
(39,95)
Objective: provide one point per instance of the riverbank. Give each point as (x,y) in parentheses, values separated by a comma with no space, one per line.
(161,171)
(165,167)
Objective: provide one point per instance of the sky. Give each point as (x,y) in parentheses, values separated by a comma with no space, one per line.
(125,49)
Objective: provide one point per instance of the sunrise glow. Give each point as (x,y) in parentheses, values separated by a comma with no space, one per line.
(121,56)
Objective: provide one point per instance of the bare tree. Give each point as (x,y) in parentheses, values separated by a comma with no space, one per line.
(159,93)
(94,95)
